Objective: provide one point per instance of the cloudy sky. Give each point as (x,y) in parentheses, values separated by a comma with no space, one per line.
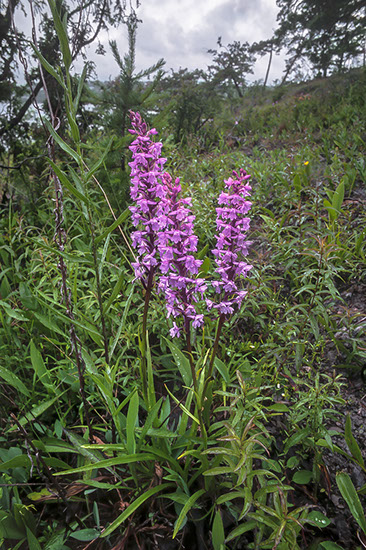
(181,31)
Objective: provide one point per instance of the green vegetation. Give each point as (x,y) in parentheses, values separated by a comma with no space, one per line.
(266,453)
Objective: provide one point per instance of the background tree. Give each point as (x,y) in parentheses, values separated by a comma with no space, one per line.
(329,34)
(85,20)
(265,47)
(231,64)
(190,100)
(131,89)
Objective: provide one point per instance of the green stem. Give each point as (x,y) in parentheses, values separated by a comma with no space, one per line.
(215,348)
(190,356)
(195,383)
(143,369)
(213,355)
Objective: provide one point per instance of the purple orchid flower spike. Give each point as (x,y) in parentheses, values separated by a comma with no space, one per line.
(177,245)
(147,191)
(231,243)
(231,249)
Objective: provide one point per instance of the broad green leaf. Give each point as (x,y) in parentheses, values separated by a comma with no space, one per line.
(319,519)
(179,496)
(20,461)
(278,407)
(230,496)
(89,452)
(115,292)
(186,508)
(88,328)
(331,211)
(49,323)
(314,325)
(218,471)
(26,297)
(12,379)
(222,369)
(218,533)
(182,363)
(9,528)
(13,313)
(296,438)
(338,197)
(202,253)
(350,495)
(248,499)
(302,477)
(330,546)
(5,288)
(205,267)
(85,535)
(134,506)
(241,529)
(41,494)
(148,423)
(352,443)
(69,106)
(33,543)
(359,242)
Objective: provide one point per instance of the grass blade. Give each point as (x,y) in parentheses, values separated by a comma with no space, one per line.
(134,506)
(188,505)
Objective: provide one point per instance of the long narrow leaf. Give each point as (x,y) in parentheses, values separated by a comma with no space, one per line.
(80,87)
(12,379)
(66,183)
(182,406)
(63,144)
(134,506)
(100,160)
(60,27)
(186,508)
(48,67)
(121,218)
(107,463)
(350,495)
(40,368)
(352,443)
(132,418)
(182,363)
(36,411)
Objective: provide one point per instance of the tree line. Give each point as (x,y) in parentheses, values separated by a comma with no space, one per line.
(319,37)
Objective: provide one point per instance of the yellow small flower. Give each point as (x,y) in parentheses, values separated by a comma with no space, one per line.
(306,163)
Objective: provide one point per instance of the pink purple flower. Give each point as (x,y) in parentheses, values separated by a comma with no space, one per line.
(177,244)
(147,191)
(231,243)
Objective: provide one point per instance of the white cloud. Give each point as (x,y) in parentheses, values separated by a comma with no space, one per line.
(181,31)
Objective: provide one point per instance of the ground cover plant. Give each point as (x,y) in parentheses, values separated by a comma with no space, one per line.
(173,375)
